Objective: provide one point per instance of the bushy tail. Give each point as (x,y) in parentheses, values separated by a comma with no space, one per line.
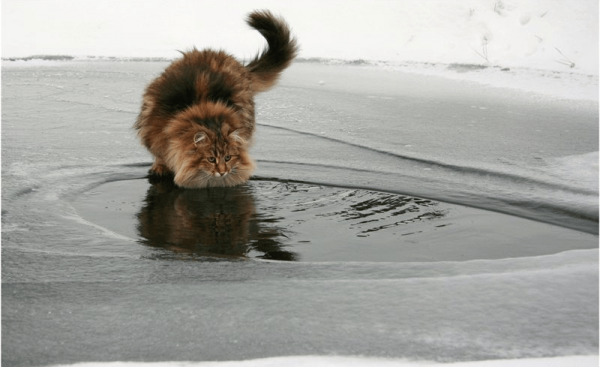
(281,50)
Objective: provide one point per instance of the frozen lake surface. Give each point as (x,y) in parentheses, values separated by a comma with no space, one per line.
(392,214)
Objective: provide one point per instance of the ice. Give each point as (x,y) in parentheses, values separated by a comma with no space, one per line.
(581,170)
(71,275)
(56,149)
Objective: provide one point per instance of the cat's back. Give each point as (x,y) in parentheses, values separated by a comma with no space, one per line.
(200,76)
(213,61)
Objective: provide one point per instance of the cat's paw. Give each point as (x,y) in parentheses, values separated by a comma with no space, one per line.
(158,169)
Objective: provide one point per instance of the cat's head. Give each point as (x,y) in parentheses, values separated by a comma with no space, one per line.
(208,146)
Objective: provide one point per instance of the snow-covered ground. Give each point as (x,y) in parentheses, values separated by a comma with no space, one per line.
(538,34)
(541,46)
(310,361)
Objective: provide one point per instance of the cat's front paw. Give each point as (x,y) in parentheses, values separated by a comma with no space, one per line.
(159,169)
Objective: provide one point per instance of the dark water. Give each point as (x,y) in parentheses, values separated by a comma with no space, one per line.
(302,222)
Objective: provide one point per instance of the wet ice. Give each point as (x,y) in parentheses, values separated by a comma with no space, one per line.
(85,274)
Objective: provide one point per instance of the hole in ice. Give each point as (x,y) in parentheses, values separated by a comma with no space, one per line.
(306,222)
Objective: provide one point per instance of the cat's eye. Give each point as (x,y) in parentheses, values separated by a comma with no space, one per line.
(227,158)
(211,159)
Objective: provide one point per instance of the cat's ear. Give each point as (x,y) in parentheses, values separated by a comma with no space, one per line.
(199,137)
(239,135)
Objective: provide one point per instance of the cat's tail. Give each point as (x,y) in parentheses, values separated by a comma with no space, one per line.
(281,50)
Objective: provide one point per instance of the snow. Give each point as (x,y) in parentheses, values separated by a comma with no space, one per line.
(556,83)
(317,361)
(536,34)
(542,46)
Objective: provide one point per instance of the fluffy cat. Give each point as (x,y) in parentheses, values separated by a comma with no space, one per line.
(197,118)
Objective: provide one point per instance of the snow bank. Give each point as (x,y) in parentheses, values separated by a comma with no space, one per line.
(539,34)
(552,35)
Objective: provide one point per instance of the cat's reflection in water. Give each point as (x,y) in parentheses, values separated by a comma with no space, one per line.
(211,222)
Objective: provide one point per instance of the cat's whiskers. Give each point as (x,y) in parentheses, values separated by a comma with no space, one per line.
(202,178)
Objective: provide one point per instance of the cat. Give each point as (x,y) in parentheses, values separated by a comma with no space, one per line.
(197,118)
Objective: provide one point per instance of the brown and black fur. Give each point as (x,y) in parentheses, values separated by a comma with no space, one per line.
(218,222)
(197,118)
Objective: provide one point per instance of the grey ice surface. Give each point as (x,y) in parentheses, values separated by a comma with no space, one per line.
(74,290)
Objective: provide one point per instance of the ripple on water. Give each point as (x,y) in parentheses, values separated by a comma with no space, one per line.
(304,222)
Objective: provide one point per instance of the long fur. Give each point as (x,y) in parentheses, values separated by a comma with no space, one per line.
(282,49)
(197,118)
(219,222)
